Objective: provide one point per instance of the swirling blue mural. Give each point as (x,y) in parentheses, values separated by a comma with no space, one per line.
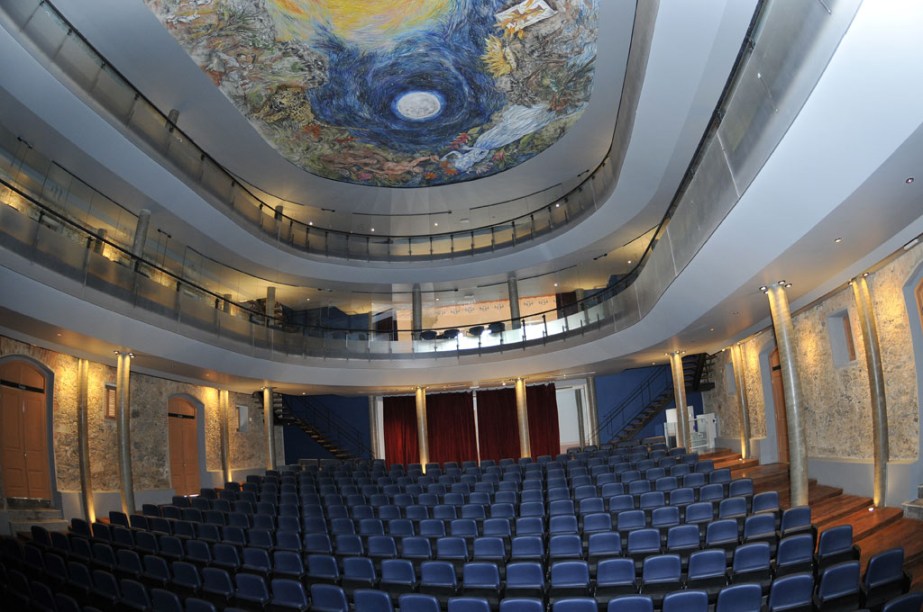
(399,94)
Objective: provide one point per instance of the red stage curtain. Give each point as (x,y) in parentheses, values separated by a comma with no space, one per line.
(498,428)
(450,425)
(400,429)
(544,435)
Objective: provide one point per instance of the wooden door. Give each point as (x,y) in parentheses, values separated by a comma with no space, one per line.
(24,433)
(184,447)
(778,399)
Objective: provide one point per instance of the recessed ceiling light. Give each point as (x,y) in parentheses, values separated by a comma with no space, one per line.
(838,239)
(436,224)
(711,329)
(557,205)
(782,282)
(908,180)
(373,229)
(310,223)
(629,261)
(308,300)
(437,299)
(764,288)
(555,284)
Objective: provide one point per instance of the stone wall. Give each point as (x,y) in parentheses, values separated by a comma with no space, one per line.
(149,397)
(248,448)
(836,396)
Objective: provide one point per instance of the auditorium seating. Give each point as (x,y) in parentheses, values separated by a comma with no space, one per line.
(559,532)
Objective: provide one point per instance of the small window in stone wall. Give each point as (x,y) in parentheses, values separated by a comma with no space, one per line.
(730,383)
(110,401)
(841,339)
(243,418)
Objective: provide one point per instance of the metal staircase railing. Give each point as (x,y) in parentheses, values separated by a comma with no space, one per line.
(651,396)
(325,427)
(651,388)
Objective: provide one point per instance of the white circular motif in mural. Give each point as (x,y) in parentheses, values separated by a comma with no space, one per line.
(418,105)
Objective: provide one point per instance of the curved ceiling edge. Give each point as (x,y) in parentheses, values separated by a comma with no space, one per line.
(137,170)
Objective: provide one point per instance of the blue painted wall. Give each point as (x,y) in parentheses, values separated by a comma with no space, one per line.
(612,390)
(352,410)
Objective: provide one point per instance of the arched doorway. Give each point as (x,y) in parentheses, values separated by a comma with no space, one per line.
(778,400)
(184,446)
(24,431)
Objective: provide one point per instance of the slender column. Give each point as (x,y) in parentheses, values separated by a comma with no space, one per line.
(99,244)
(269,429)
(123,410)
(737,359)
(513,288)
(869,327)
(522,418)
(422,429)
(83,442)
(416,312)
(270,305)
(224,418)
(144,222)
(794,400)
(581,423)
(373,429)
(592,409)
(679,393)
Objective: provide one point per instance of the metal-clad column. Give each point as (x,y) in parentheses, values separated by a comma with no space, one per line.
(123,410)
(270,305)
(869,327)
(224,418)
(679,393)
(512,286)
(522,418)
(794,400)
(83,441)
(373,429)
(141,227)
(593,425)
(422,430)
(269,429)
(581,423)
(740,381)
(416,312)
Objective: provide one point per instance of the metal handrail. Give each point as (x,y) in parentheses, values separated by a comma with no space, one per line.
(655,384)
(334,427)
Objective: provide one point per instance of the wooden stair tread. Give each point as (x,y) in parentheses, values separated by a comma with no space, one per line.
(832,509)
(906,533)
(865,522)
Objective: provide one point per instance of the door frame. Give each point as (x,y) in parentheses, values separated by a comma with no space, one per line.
(204,479)
(48,374)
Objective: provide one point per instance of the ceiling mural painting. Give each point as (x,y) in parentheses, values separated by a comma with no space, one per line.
(397,94)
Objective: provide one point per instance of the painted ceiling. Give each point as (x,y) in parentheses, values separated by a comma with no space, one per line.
(398,94)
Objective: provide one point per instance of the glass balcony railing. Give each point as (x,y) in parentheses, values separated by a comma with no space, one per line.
(550,210)
(58,228)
